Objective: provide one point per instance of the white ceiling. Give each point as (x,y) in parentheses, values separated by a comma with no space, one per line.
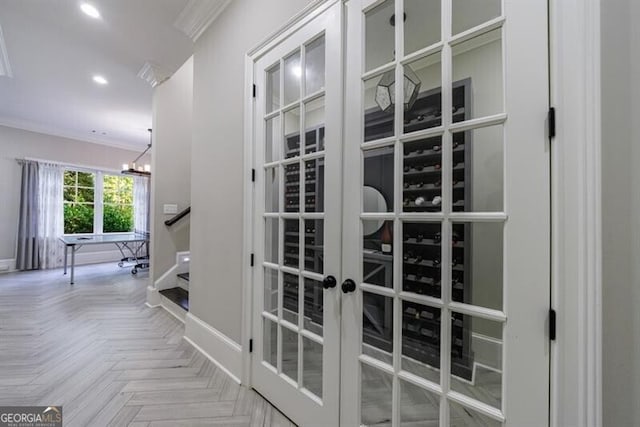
(54,50)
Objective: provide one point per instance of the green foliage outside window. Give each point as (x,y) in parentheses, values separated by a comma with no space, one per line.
(79,199)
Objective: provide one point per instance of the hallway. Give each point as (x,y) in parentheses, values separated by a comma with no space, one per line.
(98,351)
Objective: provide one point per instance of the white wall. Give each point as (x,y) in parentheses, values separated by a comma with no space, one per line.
(217,157)
(171,177)
(17,143)
(621,212)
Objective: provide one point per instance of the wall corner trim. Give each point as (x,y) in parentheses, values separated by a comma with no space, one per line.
(7,265)
(224,352)
(196,16)
(576,355)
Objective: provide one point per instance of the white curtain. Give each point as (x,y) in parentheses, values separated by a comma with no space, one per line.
(50,214)
(141,204)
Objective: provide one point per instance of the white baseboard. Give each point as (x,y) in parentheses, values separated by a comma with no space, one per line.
(487,351)
(153,297)
(224,352)
(7,265)
(169,279)
(174,309)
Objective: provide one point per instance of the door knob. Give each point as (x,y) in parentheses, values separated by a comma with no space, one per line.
(348,286)
(329,282)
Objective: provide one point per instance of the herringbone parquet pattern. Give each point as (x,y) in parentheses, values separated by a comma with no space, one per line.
(96,349)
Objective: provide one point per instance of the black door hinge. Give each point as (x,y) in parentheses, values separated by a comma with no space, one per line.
(253,175)
(252,256)
(251,345)
(552,324)
(552,122)
(255,90)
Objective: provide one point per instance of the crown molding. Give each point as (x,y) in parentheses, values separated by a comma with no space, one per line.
(197,15)
(50,130)
(5,67)
(153,74)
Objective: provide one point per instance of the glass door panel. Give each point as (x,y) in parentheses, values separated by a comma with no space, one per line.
(437,204)
(297,151)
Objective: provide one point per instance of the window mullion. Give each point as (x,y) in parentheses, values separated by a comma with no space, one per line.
(98,204)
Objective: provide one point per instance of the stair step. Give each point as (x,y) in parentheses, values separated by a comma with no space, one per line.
(178,296)
(184,276)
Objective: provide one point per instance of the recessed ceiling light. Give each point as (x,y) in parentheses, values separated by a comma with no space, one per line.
(100,80)
(90,10)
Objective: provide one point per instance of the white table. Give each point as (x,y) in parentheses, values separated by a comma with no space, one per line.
(130,243)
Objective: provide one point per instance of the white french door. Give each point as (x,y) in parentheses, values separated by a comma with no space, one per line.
(297,212)
(401,231)
(446,224)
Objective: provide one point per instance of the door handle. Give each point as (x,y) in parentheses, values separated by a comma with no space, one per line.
(348,286)
(329,282)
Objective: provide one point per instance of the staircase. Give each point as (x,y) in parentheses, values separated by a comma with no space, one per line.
(180,294)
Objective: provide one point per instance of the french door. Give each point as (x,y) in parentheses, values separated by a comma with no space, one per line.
(402,229)
(446,227)
(298,154)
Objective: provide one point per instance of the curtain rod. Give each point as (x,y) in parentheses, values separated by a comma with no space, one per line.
(70,165)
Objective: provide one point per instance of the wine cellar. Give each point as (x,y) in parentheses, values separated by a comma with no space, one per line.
(421,272)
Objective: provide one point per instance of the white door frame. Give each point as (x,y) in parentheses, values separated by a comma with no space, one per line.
(576,282)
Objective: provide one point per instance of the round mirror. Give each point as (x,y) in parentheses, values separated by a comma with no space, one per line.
(374,202)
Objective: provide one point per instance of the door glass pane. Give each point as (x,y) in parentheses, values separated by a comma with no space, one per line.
(421,340)
(422,94)
(421,258)
(477,264)
(271,291)
(471,13)
(378,180)
(313,306)
(291,242)
(270,342)
(314,65)
(377,253)
(461,416)
(478,170)
(313,245)
(271,185)
(292,75)
(289,353)
(271,241)
(377,326)
(478,62)
(272,140)
(376,389)
(290,307)
(422,173)
(476,358)
(418,407)
(292,133)
(292,187)
(314,185)
(273,88)
(314,125)
(421,25)
(312,366)
(379,107)
(379,35)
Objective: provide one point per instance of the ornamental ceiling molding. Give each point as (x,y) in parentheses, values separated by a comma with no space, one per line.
(153,73)
(197,15)
(5,67)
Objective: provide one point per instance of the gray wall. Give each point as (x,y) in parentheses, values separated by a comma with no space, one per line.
(17,143)
(217,157)
(171,178)
(621,212)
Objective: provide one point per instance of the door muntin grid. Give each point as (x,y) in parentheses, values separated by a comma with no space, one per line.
(293,163)
(445,141)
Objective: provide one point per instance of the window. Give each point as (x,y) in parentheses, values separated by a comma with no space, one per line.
(79,207)
(95,203)
(118,204)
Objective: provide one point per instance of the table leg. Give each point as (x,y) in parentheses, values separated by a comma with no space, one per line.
(66,251)
(73,262)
